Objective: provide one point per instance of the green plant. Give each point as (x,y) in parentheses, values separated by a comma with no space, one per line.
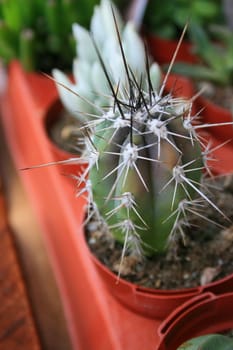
(169,19)
(208,342)
(144,155)
(38,32)
(216,55)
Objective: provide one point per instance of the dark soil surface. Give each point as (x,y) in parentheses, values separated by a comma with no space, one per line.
(205,257)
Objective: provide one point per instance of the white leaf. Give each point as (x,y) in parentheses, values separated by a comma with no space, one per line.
(134,50)
(155,76)
(72,102)
(84,48)
(82,74)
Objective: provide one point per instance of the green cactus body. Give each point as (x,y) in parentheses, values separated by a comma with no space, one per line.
(134,166)
(208,342)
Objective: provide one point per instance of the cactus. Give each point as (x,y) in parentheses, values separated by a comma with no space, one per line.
(38,32)
(144,153)
(208,342)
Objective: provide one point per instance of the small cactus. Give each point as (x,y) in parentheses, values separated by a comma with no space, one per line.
(145,157)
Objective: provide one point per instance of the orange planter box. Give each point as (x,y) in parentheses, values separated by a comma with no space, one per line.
(96,319)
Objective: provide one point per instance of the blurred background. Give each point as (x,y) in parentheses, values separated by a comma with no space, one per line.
(38,34)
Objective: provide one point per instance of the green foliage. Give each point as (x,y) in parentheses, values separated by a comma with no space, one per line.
(208,342)
(169,18)
(39,32)
(215,53)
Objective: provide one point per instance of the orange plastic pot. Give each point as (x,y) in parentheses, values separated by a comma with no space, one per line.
(98,314)
(221,157)
(180,86)
(162,50)
(202,315)
(51,116)
(213,113)
(95,319)
(155,303)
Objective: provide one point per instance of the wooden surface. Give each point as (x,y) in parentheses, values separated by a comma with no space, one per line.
(38,287)
(17,327)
